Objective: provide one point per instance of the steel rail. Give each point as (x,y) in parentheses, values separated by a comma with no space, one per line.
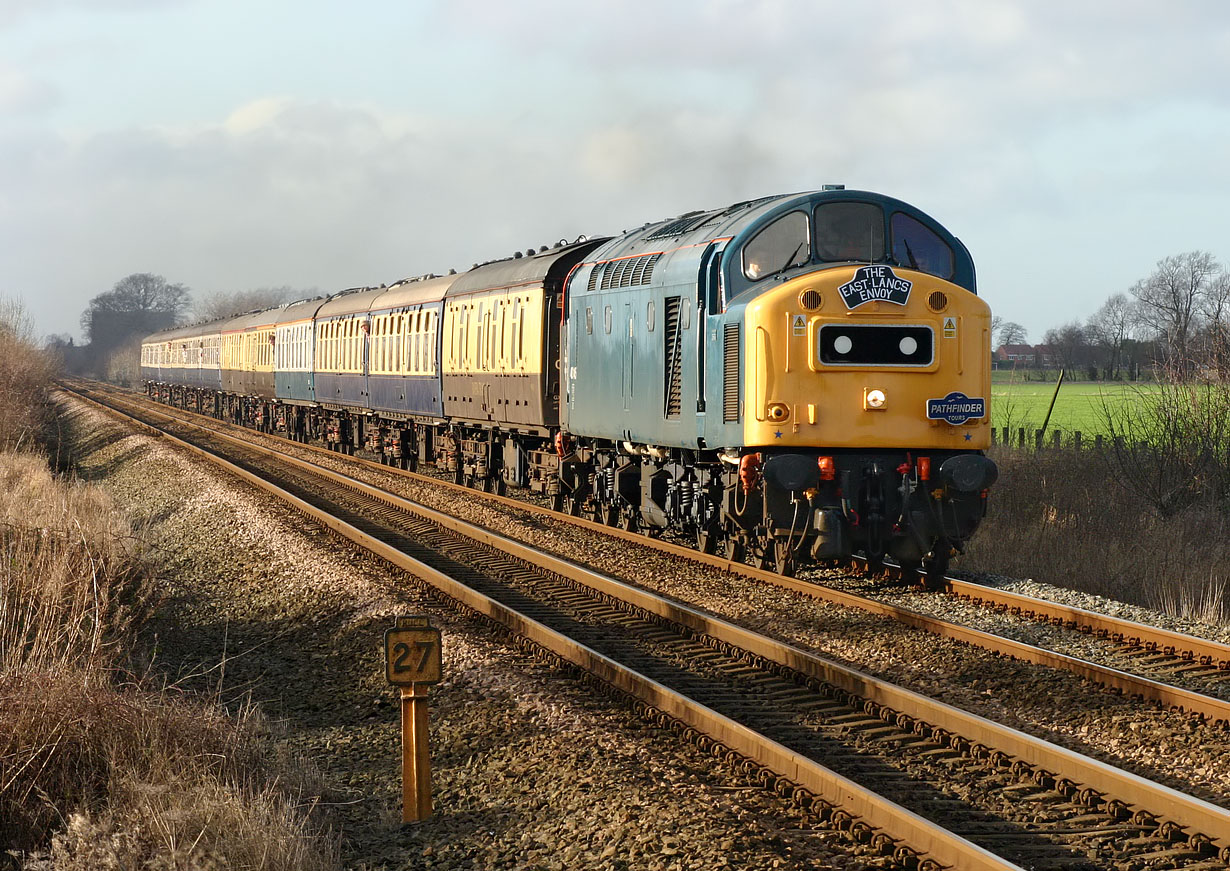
(1151,638)
(906,827)
(1200,704)
(1138,794)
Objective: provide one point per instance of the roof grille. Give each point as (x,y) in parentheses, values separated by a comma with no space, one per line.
(679,226)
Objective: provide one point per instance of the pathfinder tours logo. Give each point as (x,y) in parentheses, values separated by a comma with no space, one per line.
(875,283)
(956,408)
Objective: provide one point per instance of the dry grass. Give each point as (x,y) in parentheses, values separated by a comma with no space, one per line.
(100,769)
(71,579)
(25,376)
(1068,519)
(113,774)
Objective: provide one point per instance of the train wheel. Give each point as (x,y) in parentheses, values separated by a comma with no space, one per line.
(908,572)
(707,540)
(937,567)
(784,552)
(611,517)
(629,523)
(558,503)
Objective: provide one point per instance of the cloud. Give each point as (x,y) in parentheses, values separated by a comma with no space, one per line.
(1022,125)
(21,94)
(16,11)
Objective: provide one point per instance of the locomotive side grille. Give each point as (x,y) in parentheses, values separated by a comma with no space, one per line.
(629,272)
(730,374)
(673,359)
(643,274)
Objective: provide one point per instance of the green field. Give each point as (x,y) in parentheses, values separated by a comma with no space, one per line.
(1081,405)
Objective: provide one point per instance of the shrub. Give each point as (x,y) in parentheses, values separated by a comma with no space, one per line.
(1069,519)
(25,377)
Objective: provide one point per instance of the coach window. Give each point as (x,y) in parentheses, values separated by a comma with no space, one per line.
(918,246)
(849,231)
(430,352)
(416,355)
(776,248)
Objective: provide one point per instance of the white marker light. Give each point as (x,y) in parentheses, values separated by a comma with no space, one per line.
(908,346)
(876,399)
(842,344)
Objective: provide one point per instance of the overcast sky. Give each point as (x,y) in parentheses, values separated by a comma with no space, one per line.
(234,144)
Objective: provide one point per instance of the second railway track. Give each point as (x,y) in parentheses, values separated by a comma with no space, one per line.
(1023,800)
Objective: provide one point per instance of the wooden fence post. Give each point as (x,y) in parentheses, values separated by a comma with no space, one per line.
(1076,441)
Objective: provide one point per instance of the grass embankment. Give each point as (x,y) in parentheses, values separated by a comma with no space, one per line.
(101,767)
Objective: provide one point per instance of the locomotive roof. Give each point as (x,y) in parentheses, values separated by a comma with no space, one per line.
(682,240)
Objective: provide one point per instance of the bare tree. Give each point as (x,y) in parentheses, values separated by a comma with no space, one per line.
(1216,315)
(1011,333)
(1069,344)
(222,304)
(140,295)
(138,304)
(1109,327)
(1171,300)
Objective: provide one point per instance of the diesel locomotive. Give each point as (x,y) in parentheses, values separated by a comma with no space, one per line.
(797,378)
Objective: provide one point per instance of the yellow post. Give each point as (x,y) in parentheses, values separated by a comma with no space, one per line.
(415,755)
(412,663)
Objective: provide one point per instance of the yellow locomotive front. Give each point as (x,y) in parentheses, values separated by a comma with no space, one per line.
(822,373)
(866,382)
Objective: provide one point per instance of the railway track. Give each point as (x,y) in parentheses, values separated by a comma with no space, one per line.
(929,784)
(1179,672)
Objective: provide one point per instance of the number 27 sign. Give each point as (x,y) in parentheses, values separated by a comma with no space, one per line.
(412,652)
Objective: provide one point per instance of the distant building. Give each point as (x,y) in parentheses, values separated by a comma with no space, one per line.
(1025,356)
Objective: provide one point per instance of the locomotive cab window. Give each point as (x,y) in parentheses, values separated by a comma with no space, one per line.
(918,246)
(849,231)
(777,247)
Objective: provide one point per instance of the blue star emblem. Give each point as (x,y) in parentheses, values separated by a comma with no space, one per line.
(968,436)
(777,434)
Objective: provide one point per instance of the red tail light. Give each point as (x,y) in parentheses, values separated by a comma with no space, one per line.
(828,468)
(924,468)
